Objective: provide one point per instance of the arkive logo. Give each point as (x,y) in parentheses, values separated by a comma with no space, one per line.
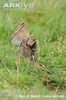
(19,5)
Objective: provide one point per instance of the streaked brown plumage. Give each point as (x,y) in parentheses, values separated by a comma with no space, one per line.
(28,45)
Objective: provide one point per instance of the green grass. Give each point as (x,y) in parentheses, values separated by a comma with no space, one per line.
(47,22)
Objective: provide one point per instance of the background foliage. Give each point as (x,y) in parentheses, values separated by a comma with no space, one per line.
(47,22)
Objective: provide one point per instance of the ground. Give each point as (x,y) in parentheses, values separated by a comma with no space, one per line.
(47,22)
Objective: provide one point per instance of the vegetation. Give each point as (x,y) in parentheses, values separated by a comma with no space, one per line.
(47,22)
